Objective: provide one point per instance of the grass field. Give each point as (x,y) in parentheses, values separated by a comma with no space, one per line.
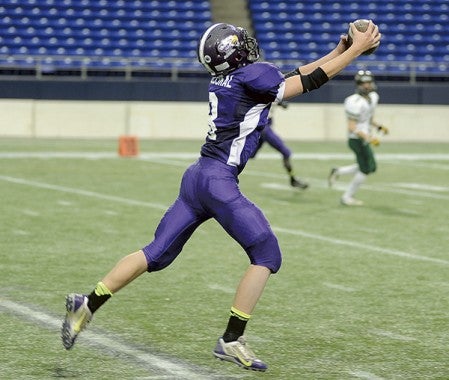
(362,294)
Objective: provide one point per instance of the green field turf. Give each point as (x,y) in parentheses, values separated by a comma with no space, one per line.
(362,293)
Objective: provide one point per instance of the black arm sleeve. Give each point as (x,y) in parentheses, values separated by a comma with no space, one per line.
(313,80)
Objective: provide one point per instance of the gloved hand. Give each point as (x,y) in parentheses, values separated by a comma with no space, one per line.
(374,141)
(383,130)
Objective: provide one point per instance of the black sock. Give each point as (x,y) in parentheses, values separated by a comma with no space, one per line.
(236,325)
(98,297)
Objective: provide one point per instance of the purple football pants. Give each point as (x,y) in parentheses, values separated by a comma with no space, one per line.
(209,189)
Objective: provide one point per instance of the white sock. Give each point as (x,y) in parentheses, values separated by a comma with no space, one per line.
(350,169)
(358,179)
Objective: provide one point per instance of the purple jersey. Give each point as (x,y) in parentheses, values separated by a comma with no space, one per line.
(239,105)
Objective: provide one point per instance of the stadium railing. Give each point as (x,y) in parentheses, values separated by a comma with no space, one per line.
(129,68)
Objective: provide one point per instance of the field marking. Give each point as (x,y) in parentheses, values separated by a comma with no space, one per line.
(342,187)
(20,232)
(296,232)
(86,193)
(28,212)
(421,186)
(169,158)
(111,212)
(224,289)
(355,244)
(432,166)
(365,375)
(174,370)
(193,155)
(392,335)
(414,193)
(339,287)
(64,203)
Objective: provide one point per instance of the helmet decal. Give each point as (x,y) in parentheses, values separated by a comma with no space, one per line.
(228,45)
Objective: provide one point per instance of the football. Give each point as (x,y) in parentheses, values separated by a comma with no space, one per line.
(361,25)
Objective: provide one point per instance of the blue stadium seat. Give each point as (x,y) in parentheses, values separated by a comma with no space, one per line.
(287,30)
(412,30)
(121,28)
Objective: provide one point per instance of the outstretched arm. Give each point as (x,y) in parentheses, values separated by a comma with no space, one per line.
(315,74)
(341,47)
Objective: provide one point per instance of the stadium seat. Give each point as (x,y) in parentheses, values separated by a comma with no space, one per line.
(66,30)
(322,22)
(288,30)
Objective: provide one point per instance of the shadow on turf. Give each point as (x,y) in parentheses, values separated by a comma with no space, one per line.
(59,372)
(392,211)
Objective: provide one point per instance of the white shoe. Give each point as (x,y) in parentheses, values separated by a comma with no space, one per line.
(238,352)
(77,317)
(351,202)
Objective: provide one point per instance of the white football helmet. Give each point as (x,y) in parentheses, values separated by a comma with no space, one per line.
(364,81)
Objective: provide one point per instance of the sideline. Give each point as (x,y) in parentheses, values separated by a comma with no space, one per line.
(193,155)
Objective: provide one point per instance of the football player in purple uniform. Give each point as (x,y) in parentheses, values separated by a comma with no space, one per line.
(240,95)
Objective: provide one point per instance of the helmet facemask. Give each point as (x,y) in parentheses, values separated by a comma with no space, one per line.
(250,46)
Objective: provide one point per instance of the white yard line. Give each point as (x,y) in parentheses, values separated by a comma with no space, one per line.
(297,232)
(422,186)
(86,193)
(30,212)
(355,244)
(417,164)
(170,158)
(220,288)
(339,287)
(166,368)
(392,335)
(342,186)
(365,375)
(262,156)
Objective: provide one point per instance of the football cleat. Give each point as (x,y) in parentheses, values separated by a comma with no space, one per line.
(296,182)
(333,176)
(351,202)
(238,352)
(76,319)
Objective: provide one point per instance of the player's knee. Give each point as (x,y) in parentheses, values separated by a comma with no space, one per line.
(277,261)
(157,260)
(266,252)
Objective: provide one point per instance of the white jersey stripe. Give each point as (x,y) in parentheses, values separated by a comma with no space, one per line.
(248,125)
